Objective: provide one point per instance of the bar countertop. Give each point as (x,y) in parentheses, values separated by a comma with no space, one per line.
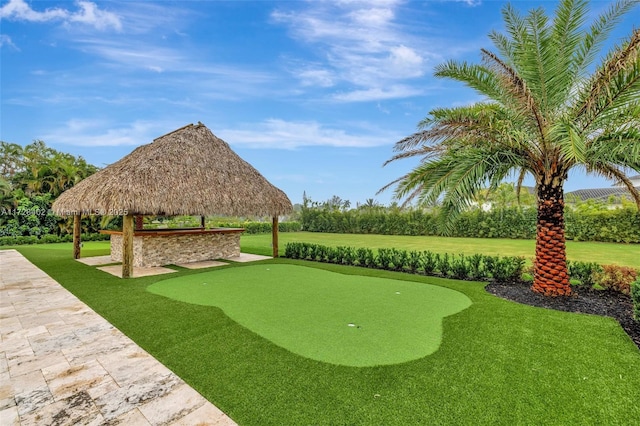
(162,232)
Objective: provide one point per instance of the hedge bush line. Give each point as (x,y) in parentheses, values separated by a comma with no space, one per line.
(477,267)
(619,225)
(260,227)
(49,238)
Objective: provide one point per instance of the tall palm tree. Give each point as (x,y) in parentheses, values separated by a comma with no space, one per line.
(543,115)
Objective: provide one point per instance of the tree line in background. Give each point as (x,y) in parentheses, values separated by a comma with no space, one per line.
(31,178)
(497,215)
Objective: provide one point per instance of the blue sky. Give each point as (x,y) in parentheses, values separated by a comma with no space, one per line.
(312,93)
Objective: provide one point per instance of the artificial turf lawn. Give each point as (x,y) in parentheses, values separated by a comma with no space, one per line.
(341,319)
(500,363)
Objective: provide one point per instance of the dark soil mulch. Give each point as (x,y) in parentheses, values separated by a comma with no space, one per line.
(586,300)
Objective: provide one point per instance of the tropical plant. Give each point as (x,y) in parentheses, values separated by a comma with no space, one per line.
(7,198)
(543,115)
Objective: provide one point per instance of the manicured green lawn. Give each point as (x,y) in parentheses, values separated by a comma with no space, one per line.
(499,362)
(342,319)
(602,253)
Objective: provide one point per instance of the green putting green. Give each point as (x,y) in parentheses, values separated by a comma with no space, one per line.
(340,319)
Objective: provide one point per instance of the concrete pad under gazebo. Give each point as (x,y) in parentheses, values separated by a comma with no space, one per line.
(189,171)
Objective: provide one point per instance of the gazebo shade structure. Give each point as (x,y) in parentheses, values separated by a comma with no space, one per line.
(189,171)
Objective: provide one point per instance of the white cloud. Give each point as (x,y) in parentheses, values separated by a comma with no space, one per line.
(5,40)
(21,11)
(362,43)
(377,93)
(87,132)
(91,15)
(281,134)
(88,14)
(140,55)
(316,77)
(270,134)
(405,62)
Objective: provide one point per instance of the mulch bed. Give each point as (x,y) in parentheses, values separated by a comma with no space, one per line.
(586,300)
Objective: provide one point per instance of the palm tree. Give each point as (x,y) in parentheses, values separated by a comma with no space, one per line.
(543,115)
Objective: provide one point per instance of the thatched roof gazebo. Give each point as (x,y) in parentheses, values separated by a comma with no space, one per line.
(189,171)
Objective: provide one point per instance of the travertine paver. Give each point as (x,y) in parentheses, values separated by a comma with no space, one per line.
(138,271)
(63,364)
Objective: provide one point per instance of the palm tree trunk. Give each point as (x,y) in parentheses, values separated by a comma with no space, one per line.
(551,277)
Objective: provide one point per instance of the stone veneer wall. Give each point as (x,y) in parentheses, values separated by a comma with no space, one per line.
(174,249)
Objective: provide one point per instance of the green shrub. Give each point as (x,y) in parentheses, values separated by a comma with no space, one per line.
(614,277)
(635,297)
(443,264)
(292,250)
(460,267)
(50,239)
(505,269)
(345,255)
(365,257)
(583,272)
(384,258)
(428,262)
(476,267)
(414,262)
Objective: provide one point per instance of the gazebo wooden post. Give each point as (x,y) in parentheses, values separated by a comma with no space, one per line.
(77,229)
(274,235)
(127,246)
(202,221)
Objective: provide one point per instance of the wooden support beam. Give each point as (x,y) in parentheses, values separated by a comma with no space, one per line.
(127,246)
(202,222)
(139,222)
(274,235)
(77,230)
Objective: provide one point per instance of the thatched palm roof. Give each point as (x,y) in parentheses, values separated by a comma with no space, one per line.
(186,172)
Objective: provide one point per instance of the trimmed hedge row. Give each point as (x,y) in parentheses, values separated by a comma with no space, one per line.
(260,227)
(49,238)
(477,267)
(619,225)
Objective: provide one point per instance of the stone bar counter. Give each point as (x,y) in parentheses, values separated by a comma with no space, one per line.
(157,247)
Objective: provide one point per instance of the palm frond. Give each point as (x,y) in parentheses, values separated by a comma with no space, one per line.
(572,144)
(598,33)
(523,100)
(622,148)
(565,39)
(615,83)
(521,175)
(477,77)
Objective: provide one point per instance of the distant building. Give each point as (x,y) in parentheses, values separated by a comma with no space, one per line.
(603,194)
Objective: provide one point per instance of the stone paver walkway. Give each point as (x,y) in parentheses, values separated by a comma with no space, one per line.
(62,364)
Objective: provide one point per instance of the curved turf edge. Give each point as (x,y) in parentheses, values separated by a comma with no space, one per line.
(340,319)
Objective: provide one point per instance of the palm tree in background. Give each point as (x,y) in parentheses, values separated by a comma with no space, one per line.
(544,114)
